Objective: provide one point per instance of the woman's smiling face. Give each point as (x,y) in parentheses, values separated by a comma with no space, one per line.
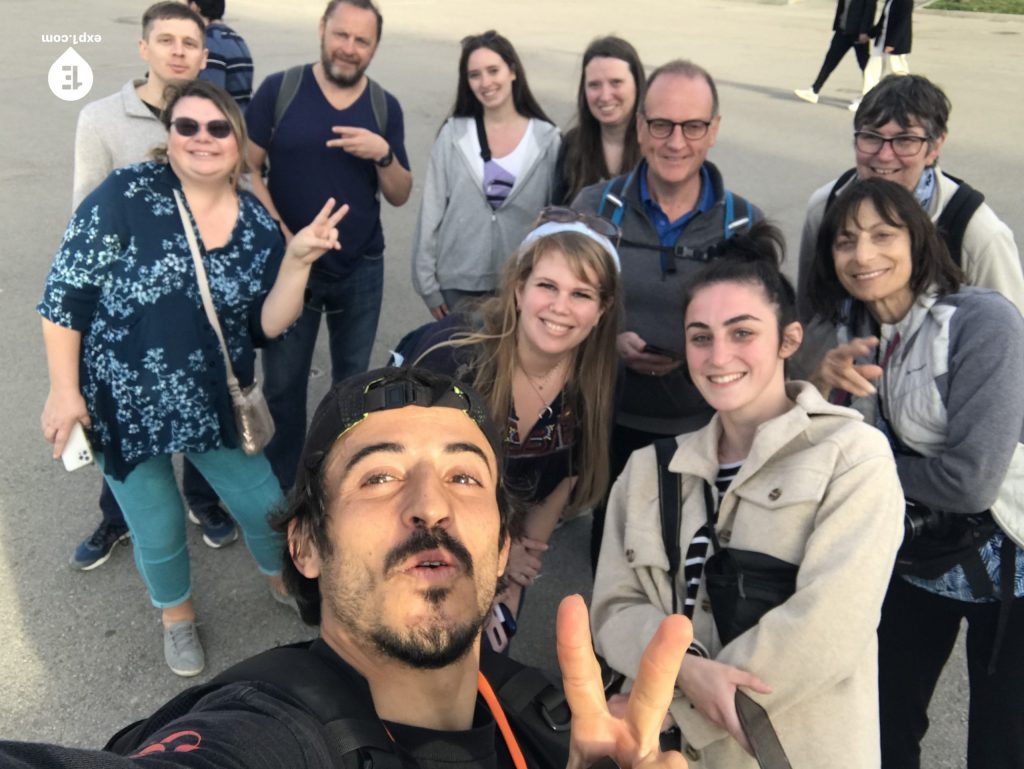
(557,309)
(873,262)
(733,351)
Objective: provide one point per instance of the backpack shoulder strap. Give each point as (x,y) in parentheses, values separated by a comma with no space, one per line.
(732,223)
(379,105)
(535,707)
(840,183)
(669,498)
(286,94)
(956,215)
(615,198)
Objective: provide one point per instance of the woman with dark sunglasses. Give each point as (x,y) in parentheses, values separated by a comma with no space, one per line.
(542,353)
(490,172)
(134,359)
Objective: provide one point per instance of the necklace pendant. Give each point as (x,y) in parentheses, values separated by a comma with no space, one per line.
(545,413)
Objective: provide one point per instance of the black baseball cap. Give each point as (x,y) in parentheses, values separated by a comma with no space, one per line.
(349,402)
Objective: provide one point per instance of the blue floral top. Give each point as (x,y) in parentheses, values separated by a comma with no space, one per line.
(152,372)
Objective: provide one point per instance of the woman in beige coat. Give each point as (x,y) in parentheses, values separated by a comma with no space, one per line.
(798,479)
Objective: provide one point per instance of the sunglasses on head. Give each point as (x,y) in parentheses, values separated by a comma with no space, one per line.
(186,126)
(598,224)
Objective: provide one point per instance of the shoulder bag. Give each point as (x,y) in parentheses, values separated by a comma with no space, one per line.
(252,415)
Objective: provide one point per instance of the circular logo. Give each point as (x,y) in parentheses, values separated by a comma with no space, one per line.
(70,77)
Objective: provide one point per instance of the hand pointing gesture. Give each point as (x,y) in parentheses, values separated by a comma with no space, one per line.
(313,240)
(631,741)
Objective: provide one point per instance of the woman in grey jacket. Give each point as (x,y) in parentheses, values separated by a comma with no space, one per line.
(491,171)
(948,366)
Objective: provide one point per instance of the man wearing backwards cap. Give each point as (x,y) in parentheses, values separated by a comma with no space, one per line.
(397,532)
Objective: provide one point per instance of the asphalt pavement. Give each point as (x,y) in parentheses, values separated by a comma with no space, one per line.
(80,653)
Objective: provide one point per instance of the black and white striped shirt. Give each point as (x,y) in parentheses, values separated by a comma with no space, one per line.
(697,550)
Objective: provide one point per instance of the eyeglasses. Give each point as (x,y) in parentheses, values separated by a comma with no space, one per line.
(692,129)
(186,126)
(564,215)
(904,145)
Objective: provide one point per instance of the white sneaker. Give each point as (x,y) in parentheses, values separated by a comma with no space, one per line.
(807,94)
(854,105)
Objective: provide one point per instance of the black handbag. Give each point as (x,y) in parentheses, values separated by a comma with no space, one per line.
(742,585)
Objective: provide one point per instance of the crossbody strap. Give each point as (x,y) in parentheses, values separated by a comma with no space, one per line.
(669,499)
(204,290)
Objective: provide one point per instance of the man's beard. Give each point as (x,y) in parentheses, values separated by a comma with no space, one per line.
(434,646)
(339,79)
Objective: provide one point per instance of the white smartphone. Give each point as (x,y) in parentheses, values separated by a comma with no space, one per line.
(77,452)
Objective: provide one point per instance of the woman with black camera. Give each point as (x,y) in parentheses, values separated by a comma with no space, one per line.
(943,379)
(798,495)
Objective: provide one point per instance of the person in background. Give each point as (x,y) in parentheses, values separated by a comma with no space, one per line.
(943,380)
(603,142)
(542,353)
(780,474)
(134,358)
(114,132)
(891,47)
(339,135)
(228,61)
(490,173)
(851,29)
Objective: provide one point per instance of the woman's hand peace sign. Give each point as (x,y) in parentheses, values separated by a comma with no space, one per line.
(313,240)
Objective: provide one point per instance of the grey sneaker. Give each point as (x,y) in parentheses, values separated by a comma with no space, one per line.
(286,599)
(182,650)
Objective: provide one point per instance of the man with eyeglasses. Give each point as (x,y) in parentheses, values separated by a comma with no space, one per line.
(114,132)
(674,211)
(899,129)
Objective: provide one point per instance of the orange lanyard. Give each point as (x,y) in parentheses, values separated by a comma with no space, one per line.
(499,716)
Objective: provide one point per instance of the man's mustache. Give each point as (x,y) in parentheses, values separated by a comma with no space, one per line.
(429,539)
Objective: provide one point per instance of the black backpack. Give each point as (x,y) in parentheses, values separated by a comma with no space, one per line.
(290,86)
(535,707)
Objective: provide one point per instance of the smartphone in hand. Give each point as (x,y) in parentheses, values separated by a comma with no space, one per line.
(654,350)
(77,452)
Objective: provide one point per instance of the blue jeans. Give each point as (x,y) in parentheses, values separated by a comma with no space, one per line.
(198,493)
(351,307)
(152,507)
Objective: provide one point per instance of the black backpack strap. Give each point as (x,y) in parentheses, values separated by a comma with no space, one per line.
(669,499)
(840,183)
(481,135)
(535,707)
(379,105)
(290,84)
(956,215)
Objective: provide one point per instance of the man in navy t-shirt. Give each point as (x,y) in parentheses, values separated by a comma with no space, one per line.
(328,143)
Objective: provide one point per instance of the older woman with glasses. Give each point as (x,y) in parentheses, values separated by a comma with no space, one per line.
(542,353)
(133,356)
(491,170)
(943,380)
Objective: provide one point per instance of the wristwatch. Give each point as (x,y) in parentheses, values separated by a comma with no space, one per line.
(385,161)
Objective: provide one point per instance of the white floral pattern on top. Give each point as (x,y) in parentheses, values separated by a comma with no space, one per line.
(152,372)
